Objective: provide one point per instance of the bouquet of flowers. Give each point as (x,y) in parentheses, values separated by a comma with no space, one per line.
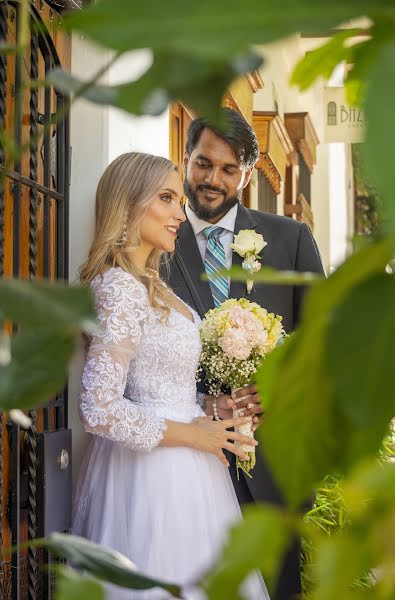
(236,337)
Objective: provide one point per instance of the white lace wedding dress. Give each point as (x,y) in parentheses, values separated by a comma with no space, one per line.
(166,509)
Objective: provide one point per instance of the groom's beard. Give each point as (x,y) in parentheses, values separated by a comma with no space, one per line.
(205,212)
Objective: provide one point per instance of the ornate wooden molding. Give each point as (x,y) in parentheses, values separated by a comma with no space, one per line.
(303,135)
(255,80)
(239,96)
(268,168)
(275,146)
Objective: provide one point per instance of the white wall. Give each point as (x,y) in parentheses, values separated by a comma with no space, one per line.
(89,156)
(338,205)
(128,133)
(97,135)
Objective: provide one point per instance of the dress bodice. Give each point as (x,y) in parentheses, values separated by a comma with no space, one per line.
(140,369)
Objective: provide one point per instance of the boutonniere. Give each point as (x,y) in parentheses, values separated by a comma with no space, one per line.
(248,244)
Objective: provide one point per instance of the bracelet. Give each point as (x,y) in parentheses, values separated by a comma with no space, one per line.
(215,410)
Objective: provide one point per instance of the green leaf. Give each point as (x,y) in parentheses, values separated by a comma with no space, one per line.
(360,350)
(362,56)
(297,389)
(270,275)
(200,84)
(300,396)
(103,563)
(369,497)
(381,129)
(203,29)
(273,365)
(336,572)
(258,542)
(38,369)
(44,304)
(369,491)
(370,259)
(68,84)
(71,585)
(322,61)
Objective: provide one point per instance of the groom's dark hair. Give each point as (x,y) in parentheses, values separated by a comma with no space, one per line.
(238,134)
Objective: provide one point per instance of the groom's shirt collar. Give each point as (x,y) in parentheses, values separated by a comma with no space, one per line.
(227,222)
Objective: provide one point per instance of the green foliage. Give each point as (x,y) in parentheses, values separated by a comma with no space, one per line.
(363,186)
(322,61)
(356,340)
(195,58)
(203,29)
(269,275)
(327,516)
(50,318)
(38,367)
(330,516)
(379,132)
(327,389)
(247,549)
(369,501)
(368,205)
(70,586)
(171,77)
(44,304)
(305,392)
(102,563)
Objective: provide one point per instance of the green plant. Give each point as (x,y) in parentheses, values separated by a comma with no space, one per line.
(328,390)
(329,515)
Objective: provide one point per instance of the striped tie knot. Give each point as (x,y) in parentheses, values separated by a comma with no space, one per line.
(212,232)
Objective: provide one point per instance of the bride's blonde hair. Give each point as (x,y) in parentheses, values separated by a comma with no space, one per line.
(123,196)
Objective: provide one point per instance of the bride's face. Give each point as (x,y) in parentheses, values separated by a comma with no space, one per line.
(164,216)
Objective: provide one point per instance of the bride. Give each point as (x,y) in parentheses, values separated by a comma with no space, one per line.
(154,483)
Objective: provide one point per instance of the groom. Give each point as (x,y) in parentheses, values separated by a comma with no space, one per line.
(217,167)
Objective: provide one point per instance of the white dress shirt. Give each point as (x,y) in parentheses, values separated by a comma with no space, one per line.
(227,223)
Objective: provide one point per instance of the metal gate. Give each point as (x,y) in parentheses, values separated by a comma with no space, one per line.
(35,474)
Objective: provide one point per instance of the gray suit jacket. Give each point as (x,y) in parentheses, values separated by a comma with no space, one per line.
(290,246)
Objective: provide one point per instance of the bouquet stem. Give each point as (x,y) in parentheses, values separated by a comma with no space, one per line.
(246,429)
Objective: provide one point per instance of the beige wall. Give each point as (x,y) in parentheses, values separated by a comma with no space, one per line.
(332,227)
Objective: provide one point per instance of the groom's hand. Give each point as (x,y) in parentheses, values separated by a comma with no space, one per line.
(250,403)
(248,399)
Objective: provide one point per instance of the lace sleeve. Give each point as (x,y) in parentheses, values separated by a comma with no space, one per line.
(121,305)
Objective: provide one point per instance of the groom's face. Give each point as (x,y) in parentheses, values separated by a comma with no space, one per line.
(214,179)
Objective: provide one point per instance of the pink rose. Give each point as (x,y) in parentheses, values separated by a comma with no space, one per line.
(235,343)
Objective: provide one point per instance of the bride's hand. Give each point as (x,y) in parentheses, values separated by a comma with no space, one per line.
(213,436)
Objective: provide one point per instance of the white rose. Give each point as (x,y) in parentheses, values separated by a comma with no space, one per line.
(248,240)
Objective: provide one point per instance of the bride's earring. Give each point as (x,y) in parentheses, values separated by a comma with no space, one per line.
(124,233)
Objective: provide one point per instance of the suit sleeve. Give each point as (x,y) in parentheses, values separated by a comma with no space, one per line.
(308,259)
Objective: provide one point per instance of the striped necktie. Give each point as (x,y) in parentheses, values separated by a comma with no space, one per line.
(215,261)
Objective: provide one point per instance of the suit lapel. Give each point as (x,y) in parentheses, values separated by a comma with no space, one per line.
(244,220)
(187,246)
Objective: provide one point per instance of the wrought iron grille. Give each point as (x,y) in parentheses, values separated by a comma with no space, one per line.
(33,244)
